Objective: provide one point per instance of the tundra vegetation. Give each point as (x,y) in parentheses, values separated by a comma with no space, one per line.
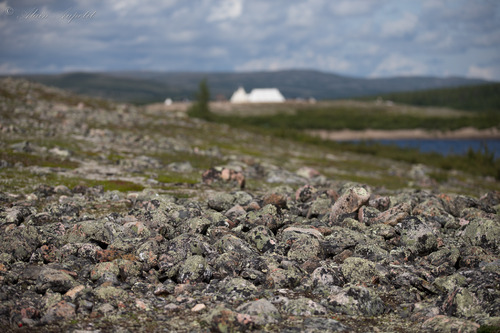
(120,217)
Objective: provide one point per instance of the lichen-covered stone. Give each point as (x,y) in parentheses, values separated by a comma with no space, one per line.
(196,225)
(367,215)
(327,276)
(284,274)
(445,256)
(242,198)
(194,269)
(98,231)
(341,239)
(109,293)
(304,248)
(20,241)
(305,193)
(233,244)
(418,235)
(235,212)
(262,238)
(56,280)
(319,207)
(262,311)
(484,233)
(304,307)
(447,324)
(359,270)
(371,252)
(449,283)
(128,268)
(383,230)
(137,230)
(431,209)
(221,201)
(238,287)
(108,270)
(267,216)
(304,231)
(60,311)
(355,301)
(462,303)
(323,325)
(224,320)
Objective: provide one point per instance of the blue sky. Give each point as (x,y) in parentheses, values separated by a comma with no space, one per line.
(362,38)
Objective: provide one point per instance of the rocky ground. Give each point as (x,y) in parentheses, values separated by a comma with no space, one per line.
(118,218)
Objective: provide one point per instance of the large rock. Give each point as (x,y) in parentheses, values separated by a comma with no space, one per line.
(485,233)
(355,301)
(55,280)
(359,271)
(194,269)
(304,307)
(349,202)
(221,201)
(447,324)
(261,311)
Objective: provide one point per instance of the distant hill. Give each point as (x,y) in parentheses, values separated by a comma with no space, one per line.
(146,87)
(485,97)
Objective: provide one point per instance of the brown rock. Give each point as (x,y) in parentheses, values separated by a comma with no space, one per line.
(59,311)
(349,202)
(275,199)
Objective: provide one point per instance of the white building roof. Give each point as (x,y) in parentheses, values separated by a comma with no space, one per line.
(239,96)
(267,95)
(261,95)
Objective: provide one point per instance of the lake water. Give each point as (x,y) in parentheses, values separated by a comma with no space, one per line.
(446,146)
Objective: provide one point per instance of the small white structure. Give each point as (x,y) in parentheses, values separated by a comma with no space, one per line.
(168,101)
(239,96)
(261,95)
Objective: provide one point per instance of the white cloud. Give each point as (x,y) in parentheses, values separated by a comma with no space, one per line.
(428,37)
(354,7)
(400,27)
(399,65)
(301,15)
(226,10)
(136,8)
(306,60)
(433,4)
(349,36)
(487,73)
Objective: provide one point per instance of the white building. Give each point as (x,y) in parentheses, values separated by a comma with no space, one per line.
(239,96)
(267,95)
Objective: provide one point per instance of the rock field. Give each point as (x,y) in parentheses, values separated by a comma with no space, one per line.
(115,218)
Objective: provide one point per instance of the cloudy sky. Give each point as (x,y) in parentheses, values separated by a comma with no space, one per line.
(362,38)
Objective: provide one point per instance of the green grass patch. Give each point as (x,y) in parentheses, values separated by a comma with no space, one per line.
(484,97)
(480,163)
(197,161)
(488,329)
(337,118)
(179,178)
(27,159)
(24,181)
(390,183)
(117,185)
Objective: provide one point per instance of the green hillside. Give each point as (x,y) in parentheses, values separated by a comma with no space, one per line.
(484,97)
(142,87)
(134,90)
